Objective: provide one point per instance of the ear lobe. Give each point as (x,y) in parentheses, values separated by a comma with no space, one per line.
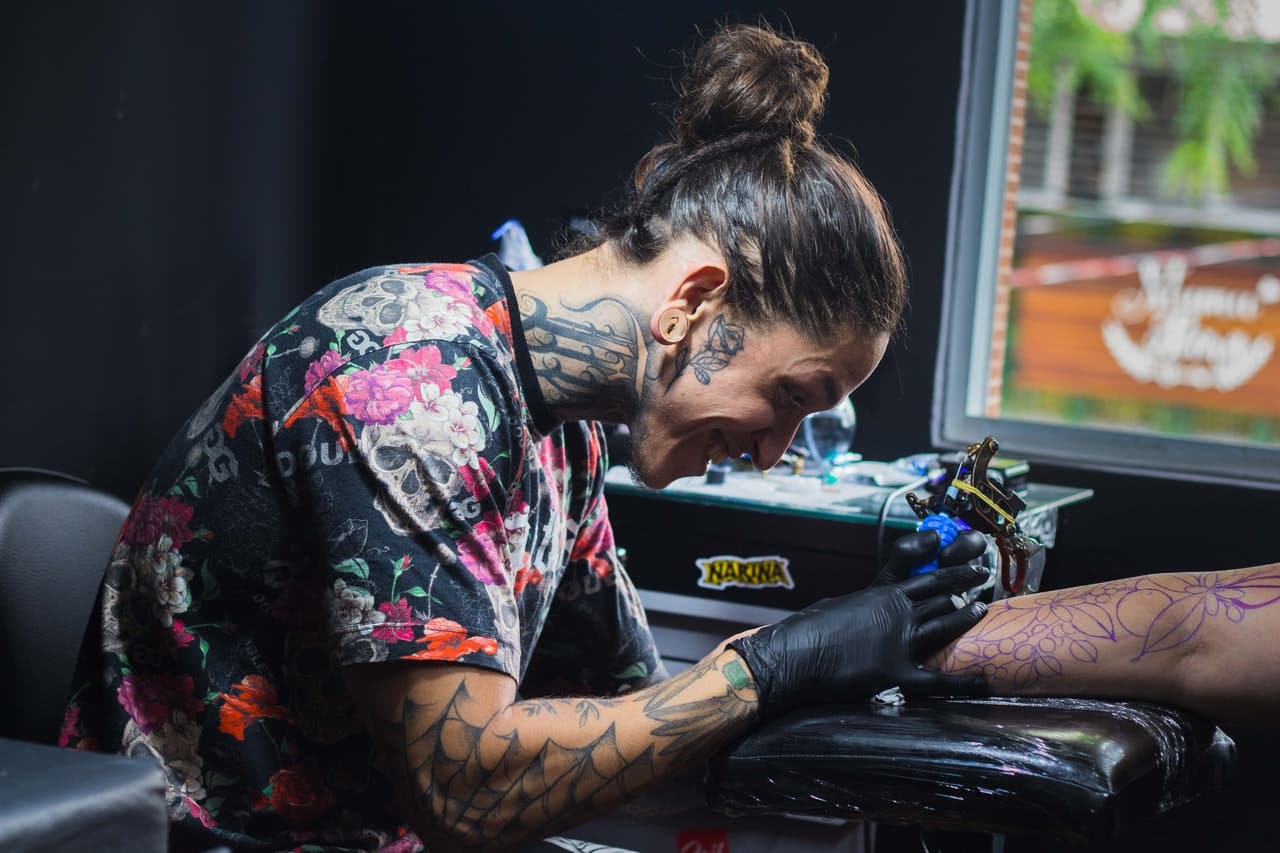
(701,287)
(669,325)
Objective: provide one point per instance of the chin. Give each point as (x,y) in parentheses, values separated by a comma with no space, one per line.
(653,476)
(642,476)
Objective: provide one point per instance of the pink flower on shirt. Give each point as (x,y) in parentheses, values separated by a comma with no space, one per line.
(70,725)
(481,549)
(330,361)
(378,395)
(199,812)
(477,479)
(424,366)
(249,365)
(450,283)
(152,700)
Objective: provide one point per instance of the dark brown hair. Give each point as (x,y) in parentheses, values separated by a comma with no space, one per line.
(806,238)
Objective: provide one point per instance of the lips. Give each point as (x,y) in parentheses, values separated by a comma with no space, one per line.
(717,448)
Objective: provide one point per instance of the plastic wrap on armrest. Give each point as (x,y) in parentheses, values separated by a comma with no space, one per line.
(1074,768)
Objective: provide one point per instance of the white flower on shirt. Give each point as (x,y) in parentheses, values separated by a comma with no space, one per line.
(433,317)
(517,525)
(437,404)
(466,434)
(351,607)
(159,567)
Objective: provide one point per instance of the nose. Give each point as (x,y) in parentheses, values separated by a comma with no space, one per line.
(769,444)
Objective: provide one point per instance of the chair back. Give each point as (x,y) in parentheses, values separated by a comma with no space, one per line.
(56,535)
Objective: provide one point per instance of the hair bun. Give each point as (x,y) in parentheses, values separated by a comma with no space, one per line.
(747,78)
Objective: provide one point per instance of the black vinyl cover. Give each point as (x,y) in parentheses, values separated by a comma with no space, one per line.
(1073,768)
(60,799)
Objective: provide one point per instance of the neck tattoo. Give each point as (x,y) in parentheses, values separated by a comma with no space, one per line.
(588,357)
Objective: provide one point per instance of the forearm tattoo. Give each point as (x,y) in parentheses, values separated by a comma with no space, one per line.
(589,357)
(1028,640)
(502,780)
(724,341)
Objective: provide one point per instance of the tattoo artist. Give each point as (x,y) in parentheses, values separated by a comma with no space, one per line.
(350,607)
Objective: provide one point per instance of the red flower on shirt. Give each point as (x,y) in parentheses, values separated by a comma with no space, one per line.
(298,794)
(252,699)
(396,626)
(327,403)
(447,640)
(527,575)
(593,544)
(155,516)
(246,406)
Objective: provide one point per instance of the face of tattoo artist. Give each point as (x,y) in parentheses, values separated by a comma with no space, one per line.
(740,390)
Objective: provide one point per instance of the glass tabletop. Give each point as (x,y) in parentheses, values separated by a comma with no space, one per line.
(799,494)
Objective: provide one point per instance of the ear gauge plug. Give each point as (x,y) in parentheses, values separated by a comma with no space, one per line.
(673,325)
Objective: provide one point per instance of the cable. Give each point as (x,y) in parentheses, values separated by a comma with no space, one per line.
(884,515)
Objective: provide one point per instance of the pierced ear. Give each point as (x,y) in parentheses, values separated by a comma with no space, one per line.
(700,287)
(706,284)
(669,326)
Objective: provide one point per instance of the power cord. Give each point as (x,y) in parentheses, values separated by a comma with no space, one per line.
(884,515)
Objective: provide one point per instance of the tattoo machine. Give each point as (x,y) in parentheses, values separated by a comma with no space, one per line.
(972,500)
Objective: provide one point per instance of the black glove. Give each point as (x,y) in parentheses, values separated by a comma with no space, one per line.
(848,649)
(916,549)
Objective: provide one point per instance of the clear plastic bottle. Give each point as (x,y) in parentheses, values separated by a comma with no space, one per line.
(825,436)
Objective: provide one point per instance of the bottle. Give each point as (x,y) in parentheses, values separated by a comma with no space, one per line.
(825,435)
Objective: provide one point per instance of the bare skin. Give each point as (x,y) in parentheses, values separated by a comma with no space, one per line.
(475,768)
(1203,641)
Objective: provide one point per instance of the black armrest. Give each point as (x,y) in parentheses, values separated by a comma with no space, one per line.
(61,799)
(1074,768)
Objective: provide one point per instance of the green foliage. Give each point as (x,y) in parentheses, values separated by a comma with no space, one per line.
(1069,50)
(1220,111)
(1223,83)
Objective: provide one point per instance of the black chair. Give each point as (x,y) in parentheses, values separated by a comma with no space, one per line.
(56,535)
(1081,770)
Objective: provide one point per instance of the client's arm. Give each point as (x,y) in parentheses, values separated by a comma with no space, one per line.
(1209,642)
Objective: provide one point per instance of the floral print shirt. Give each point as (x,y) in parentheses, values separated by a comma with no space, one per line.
(379,479)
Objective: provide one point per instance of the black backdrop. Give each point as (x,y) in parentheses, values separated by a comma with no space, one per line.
(174,177)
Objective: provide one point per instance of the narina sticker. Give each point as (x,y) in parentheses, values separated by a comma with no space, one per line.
(750,572)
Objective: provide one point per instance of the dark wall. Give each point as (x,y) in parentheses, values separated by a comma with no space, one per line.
(174,177)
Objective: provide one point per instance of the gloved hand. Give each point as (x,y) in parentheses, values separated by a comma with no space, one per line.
(847,649)
(914,550)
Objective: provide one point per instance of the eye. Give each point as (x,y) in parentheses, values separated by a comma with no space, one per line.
(792,397)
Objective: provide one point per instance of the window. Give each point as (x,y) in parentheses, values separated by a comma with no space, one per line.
(1113,271)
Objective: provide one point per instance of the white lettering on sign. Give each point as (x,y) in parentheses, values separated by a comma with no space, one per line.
(1176,349)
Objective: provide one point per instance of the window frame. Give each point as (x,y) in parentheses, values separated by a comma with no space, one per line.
(970,278)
